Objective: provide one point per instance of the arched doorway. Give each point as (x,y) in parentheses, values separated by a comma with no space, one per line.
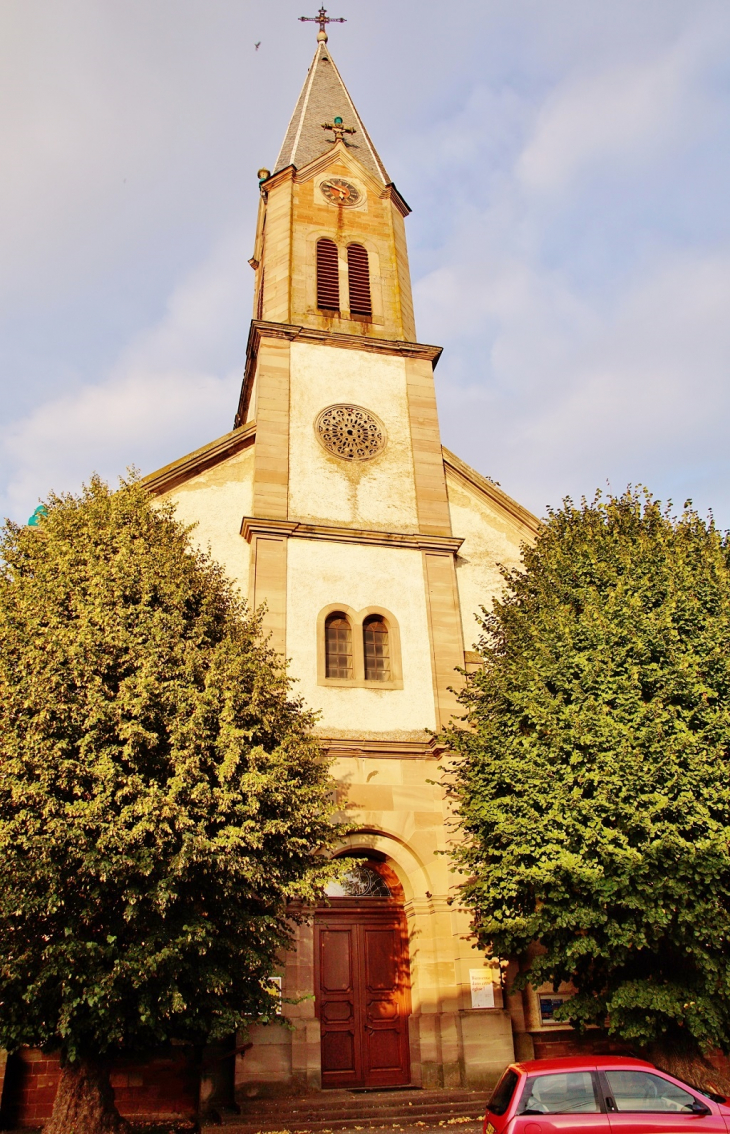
(362,986)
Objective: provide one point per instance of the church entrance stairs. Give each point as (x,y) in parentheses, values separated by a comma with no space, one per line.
(339,1110)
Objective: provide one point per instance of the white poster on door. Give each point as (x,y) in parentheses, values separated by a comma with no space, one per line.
(482,989)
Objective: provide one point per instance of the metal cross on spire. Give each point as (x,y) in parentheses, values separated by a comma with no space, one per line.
(339,129)
(322,19)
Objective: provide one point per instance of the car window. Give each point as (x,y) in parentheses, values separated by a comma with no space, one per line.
(639,1090)
(502,1093)
(568,1093)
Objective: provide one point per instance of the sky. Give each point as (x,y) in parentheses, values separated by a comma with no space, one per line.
(568,167)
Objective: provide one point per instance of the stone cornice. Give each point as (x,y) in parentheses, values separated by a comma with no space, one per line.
(495,494)
(259,525)
(181,470)
(264,330)
(400,203)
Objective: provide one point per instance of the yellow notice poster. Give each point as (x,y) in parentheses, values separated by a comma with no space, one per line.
(482,989)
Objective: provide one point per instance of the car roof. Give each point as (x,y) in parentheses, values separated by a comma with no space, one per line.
(580,1063)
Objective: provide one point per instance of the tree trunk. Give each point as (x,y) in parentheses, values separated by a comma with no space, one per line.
(688,1064)
(85,1101)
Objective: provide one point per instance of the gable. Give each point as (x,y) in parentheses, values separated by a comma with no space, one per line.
(494,528)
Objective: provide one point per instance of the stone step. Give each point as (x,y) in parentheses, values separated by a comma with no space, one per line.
(406,1114)
(363,1099)
(464,1124)
(397,1107)
(352,1110)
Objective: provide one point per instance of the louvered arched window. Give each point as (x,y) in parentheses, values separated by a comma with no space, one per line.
(338,645)
(328,276)
(376,647)
(358,270)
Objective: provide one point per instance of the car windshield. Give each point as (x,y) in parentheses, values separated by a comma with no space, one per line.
(502,1093)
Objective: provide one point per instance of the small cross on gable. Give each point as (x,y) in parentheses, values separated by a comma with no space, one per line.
(338,129)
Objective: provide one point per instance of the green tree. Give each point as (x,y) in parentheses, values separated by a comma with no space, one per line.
(162,803)
(593,778)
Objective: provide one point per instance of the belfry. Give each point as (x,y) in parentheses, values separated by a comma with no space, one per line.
(333,502)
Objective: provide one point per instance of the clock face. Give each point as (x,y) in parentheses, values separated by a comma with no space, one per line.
(340,192)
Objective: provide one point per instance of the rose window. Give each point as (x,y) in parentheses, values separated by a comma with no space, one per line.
(351,432)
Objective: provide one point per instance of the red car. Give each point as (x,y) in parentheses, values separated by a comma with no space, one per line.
(600,1095)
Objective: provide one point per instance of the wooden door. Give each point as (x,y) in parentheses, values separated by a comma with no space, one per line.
(363,997)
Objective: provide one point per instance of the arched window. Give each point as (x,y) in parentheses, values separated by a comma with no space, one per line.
(361,881)
(376,648)
(338,645)
(358,270)
(328,276)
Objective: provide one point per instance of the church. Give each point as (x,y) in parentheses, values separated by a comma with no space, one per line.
(333,502)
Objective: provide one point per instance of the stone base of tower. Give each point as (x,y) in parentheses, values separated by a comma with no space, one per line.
(465,1047)
(336,1009)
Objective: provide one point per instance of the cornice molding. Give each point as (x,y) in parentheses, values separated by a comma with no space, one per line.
(492,491)
(263,330)
(211,454)
(260,525)
(391,193)
(339,153)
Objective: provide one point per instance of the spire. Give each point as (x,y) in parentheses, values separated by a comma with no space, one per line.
(325,99)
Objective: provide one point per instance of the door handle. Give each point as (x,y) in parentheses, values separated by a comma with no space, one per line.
(369,1029)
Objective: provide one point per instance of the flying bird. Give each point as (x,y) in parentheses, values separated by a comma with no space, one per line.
(257,45)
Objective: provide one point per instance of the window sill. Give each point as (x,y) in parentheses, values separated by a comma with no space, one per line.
(354,683)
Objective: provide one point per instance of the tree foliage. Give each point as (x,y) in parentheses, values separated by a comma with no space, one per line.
(161,800)
(593,777)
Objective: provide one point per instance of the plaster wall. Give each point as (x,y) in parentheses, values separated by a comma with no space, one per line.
(323,488)
(216,501)
(490,538)
(322,572)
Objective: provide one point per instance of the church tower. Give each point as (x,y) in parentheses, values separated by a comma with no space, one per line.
(333,503)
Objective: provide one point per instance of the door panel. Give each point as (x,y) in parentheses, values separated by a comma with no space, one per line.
(382,954)
(642,1102)
(561,1102)
(385,1040)
(363,997)
(341,1042)
(666,1123)
(561,1124)
(336,960)
(338,1052)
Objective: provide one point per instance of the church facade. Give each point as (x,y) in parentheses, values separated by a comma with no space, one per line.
(333,502)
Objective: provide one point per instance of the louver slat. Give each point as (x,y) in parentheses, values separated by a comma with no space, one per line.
(328,276)
(359,274)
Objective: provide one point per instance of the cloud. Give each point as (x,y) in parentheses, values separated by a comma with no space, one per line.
(582,296)
(574,393)
(568,165)
(628,112)
(174,387)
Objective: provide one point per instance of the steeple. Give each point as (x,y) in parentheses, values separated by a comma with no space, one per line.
(324,98)
(330,249)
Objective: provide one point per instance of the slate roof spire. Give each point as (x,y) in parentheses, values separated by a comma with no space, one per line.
(324,98)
